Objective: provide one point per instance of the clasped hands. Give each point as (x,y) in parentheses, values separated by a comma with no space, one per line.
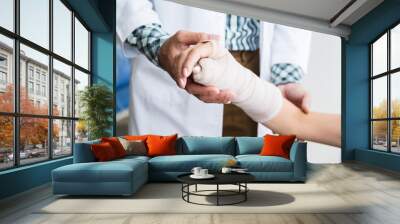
(180,54)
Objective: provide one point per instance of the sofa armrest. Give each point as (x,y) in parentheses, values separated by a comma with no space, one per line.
(298,155)
(83,152)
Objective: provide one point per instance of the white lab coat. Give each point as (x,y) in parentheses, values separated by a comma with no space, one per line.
(157,105)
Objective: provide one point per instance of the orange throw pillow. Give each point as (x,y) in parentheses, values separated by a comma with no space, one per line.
(116,145)
(136,137)
(103,152)
(161,145)
(277,145)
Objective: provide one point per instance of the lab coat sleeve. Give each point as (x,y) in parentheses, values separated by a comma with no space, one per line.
(290,46)
(131,14)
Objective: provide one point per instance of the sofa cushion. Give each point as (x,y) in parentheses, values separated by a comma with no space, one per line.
(116,145)
(161,145)
(83,152)
(136,137)
(134,147)
(192,145)
(185,163)
(111,171)
(132,158)
(249,145)
(257,163)
(103,152)
(277,145)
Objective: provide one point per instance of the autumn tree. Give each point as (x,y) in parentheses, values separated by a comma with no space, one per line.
(33,131)
(81,130)
(395,123)
(380,127)
(6,122)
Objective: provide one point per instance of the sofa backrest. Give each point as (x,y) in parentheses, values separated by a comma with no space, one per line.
(192,145)
(249,145)
(83,152)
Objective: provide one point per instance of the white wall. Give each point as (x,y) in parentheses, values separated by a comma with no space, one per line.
(323,81)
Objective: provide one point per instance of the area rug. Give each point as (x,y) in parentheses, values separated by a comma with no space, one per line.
(166,198)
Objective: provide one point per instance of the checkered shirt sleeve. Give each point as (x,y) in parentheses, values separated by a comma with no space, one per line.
(148,39)
(283,73)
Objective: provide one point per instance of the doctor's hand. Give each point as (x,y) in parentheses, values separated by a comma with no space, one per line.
(174,50)
(208,94)
(173,54)
(295,93)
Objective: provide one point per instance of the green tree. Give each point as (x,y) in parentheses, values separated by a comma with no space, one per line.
(97,109)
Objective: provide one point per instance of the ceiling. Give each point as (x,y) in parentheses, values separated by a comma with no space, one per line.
(326,16)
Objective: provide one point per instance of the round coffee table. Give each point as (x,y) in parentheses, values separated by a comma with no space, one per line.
(238,179)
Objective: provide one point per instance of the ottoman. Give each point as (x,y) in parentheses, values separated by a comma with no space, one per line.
(119,177)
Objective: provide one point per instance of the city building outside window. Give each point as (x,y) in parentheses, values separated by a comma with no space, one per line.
(30,72)
(37,75)
(56,126)
(3,78)
(3,60)
(385,94)
(3,72)
(44,91)
(38,89)
(30,87)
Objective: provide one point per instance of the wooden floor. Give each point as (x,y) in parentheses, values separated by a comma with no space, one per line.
(351,181)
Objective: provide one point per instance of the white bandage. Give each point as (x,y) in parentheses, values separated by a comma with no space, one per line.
(260,99)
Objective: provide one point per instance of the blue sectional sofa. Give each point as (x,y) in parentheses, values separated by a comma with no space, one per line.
(125,176)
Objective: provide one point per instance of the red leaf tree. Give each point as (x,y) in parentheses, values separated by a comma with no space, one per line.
(33,131)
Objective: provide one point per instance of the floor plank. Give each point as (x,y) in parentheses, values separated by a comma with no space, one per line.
(378,189)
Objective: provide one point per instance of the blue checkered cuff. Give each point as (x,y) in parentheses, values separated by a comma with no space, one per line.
(148,39)
(283,73)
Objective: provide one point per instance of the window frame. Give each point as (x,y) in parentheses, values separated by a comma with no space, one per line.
(388,74)
(16,115)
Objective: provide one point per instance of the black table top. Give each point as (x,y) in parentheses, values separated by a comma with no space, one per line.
(220,178)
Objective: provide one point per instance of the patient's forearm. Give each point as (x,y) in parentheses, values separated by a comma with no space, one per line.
(317,127)
(263,101)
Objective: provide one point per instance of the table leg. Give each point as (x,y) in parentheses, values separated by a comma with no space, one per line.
(245,193)
(188,190)
(217,194)
(195,188)
(182,190)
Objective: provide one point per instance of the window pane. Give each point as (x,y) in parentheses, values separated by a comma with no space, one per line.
(395,47)
(395,94)
(7,14)
(6,74)
(81,81)
(62,138)
(34,97)
(62,89)
(62,29)
(33,139)
(81,45)
(35,21)
(379,56)
(379,97)
(81,131)
(379,135)
(6,142)
(395,136)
